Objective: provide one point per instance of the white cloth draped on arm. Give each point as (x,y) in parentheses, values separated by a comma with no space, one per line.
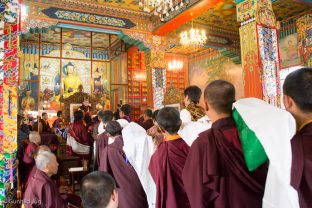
(139,147)
(274,128)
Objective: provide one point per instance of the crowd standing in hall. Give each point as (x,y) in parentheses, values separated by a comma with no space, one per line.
(208,169)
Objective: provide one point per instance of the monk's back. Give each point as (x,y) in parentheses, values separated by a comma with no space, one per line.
(216,175)
(113,160)
(166,167)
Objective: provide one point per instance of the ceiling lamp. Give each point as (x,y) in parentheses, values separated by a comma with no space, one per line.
(175,66)
(193,37)
(162,7)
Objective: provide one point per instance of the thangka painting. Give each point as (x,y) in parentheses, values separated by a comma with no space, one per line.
(206,70)
(100,77)
(50,87)
(289,51)
(28,96)
(29,64)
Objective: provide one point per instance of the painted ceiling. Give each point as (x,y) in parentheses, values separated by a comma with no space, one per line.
(220,21)
(121,4)
(284,9)
(76,37)
(222,16)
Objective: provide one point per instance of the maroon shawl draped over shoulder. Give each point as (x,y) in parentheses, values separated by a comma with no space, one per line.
(42,191)
(101,143)
(301,169)
(113,160)
(80,133)
(215,174)
(166,167)
(28,160)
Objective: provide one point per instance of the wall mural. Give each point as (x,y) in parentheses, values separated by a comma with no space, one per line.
(289,51)
(207,69)
(59,77)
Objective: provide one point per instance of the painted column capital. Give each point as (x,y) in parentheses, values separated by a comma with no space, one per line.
(260,11)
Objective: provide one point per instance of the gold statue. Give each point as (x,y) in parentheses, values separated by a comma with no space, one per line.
(28,102)
(71,81)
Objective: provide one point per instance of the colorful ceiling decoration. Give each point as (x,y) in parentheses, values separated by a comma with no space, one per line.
(284,9)
(222,16)
(125,4)
(61,14)
(74,37)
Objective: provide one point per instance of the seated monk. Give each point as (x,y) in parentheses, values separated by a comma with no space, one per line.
(28,158)
(114,161)
(44,124)
(41,191)
(39,150)
(58,122)
(168,161)
(98,189)
(79,132)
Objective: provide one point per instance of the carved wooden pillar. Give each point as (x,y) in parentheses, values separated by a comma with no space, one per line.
(259,49)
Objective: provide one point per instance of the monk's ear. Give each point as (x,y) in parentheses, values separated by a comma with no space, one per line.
(288,102)
(206,106)
(115,195)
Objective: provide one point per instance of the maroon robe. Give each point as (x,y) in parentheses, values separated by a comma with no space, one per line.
(130,191)
(101,143)
(166,167)
(301,169)
(80,133)
(57,123)
(28,161)
(42,191)
(45,126)
(215,173)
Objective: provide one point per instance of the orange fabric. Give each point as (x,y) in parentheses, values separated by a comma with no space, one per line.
(172,137)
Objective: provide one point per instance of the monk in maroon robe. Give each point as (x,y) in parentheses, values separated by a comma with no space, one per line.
(80,133)
(101,142)
(215,173)
(28,161)
(57,123)
(45,127)
(41,191)
(168,161)
(147,122)
(298,101)
(114,161)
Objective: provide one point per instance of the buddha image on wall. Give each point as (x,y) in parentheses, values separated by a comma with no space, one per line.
(71,80)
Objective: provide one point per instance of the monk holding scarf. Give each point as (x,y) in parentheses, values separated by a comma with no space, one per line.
(215,173)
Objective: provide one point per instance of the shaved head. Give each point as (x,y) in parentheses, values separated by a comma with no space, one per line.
(220,94)
(298,86)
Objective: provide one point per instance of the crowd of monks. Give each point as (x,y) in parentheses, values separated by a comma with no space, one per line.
(171,159)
